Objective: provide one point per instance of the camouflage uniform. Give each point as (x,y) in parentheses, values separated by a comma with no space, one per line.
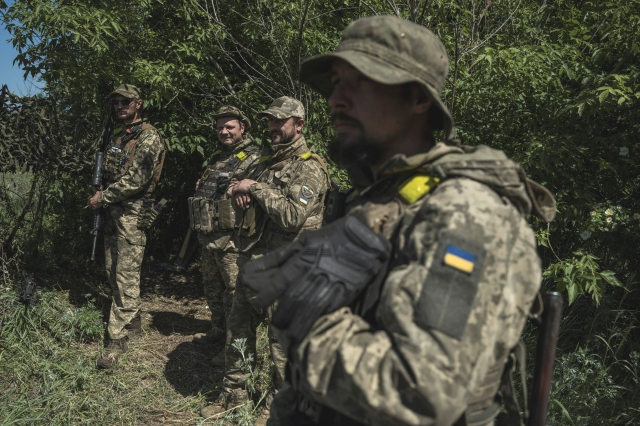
(219,255)
(133,164)
(426,341)
(290,195)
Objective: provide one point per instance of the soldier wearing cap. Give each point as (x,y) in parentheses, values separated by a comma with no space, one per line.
(405,310)
(132,168)
(213,217)
(279,202)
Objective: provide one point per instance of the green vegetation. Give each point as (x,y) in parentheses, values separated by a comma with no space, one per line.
(556,84)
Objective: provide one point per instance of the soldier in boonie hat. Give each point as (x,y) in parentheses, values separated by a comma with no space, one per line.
(231,111)
(390,51)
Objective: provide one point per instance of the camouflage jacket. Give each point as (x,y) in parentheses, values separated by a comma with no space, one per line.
(291,190)
(428,339)
(132,168)
(240,161)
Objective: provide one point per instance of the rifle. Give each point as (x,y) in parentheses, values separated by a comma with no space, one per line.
(96,180)
(545,356)
(188,251)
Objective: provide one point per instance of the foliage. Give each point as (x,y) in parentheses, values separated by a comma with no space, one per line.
(554,84)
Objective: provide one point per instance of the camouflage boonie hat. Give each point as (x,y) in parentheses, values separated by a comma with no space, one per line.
(391,51)
(129,91)
(284,107)
(231,111)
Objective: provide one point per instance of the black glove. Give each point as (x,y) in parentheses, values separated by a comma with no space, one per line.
(317,275)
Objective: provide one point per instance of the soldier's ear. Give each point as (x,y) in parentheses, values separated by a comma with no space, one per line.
(241,127)
(299,124)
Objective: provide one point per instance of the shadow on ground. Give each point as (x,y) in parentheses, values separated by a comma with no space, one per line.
(189,370)
(167,323)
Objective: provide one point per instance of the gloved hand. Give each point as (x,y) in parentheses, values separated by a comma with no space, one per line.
(316,275)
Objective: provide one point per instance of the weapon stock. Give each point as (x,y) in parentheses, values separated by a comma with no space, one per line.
(545,356)
(188,251)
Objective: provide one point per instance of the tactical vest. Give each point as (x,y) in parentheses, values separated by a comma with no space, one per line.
(120,153)
(210,209)
(392,197)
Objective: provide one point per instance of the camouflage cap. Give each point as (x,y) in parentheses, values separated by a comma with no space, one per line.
(129,91)
(391,51)
(231,111)
(284,107)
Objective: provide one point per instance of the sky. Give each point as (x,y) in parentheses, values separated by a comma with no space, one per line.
(10,74)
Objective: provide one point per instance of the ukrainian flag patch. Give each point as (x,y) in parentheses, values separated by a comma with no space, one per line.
(304,200)
(459,259)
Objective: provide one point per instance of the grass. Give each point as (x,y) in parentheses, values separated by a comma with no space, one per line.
(48,354)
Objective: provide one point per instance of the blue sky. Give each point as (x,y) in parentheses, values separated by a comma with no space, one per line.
(10,74)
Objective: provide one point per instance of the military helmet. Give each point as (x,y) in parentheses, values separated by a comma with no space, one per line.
(391,51)
(129,91)
(231,111)
(284,107)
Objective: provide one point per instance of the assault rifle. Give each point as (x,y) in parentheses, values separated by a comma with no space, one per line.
(96,181)
(545,356)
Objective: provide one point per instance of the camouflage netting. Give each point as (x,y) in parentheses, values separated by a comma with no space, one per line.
(34,137)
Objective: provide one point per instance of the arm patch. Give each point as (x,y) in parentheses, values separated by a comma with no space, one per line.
(451,285)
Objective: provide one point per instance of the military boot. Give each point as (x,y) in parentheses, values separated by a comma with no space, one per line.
(210,336)
(219,360)
(227,402)
(112,352)
(134,326)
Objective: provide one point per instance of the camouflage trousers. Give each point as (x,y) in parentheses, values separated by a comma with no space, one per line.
(124,249)
(242,323)
(219,275)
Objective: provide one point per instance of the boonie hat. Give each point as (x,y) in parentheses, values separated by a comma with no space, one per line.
(129,91)
(284,107)
(231,111)
(391,51)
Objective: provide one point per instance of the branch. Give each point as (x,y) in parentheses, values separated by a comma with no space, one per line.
(217,66)
(493,33)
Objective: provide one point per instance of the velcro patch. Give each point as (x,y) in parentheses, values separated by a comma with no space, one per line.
(241,156)
(306,191)
(304,200)
(450,288)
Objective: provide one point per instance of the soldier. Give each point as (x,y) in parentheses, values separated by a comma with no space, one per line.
(213,217)
(405,310)
(132,169)
(279,203)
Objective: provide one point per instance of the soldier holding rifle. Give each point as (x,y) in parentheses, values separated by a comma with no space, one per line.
(133,161)
(405,310)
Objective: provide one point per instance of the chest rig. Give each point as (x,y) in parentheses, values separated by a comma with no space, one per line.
(209,209)
(120,153)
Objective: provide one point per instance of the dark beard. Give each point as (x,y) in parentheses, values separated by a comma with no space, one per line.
(362,151)
(286,138)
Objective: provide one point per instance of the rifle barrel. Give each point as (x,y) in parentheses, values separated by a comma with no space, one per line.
(545,356)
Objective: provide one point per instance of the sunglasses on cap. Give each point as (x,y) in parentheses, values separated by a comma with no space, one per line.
(123,102)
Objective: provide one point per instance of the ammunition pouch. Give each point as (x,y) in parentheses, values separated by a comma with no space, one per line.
(207,215)
(149,213)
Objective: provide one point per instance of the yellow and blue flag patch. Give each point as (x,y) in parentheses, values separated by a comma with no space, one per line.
(459,259)
(304,200)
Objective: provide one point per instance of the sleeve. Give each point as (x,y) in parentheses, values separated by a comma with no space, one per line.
(290,203)
(139,175)
(442,322)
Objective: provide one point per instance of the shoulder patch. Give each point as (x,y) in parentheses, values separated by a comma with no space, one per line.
(306,191)
(417,187)
(306,155)
(450,288)
(241,156)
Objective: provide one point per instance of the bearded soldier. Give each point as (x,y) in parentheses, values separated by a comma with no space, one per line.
(279,202)
(213,217)
(405,310)
(132,167)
